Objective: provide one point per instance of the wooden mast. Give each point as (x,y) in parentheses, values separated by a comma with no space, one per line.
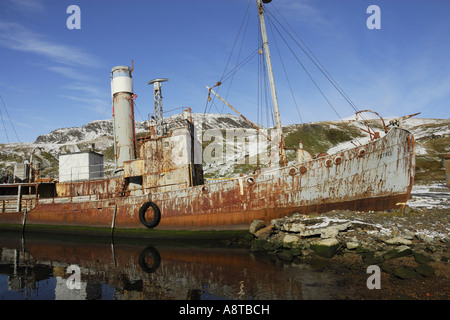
(283,159)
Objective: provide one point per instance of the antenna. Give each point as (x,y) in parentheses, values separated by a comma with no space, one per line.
(158,111)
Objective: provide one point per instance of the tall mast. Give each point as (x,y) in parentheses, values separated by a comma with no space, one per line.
(283,160)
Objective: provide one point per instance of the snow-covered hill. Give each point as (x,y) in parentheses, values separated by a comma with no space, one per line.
(432,142)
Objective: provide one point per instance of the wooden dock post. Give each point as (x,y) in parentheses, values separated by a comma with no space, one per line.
(24,220)
(19,198)
(113,220)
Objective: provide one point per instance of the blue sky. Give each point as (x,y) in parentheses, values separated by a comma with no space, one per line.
(53,77)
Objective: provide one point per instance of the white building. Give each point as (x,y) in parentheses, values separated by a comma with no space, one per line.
(80,166)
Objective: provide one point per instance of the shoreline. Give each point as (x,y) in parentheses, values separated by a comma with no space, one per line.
(411,250)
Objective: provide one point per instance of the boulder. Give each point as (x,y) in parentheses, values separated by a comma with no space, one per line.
(425,270)
(329,231)
(425,238)
(256,225)
(325,247)
(272,246)
(400,251)
(398,240)
(351,245)
(290,239)
(285,255)
(294,227)
(408,235)
(258,245)
(264,233)
(422,259)
(405,273)
(368,256)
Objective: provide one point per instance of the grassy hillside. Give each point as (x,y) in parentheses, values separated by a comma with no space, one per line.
(430,166)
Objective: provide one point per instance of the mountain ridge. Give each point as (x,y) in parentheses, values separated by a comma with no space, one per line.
(432,142)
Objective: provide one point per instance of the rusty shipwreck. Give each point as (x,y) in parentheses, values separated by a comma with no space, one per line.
(159,180)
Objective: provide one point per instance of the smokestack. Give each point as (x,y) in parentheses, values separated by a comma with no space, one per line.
(123,115)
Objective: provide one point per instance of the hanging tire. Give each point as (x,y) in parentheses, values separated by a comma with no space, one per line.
(149,208)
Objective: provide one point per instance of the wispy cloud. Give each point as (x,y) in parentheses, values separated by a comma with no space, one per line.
(302,10)
(69,72)
(92,104)
(17,37)
(67,61)
(87,89)
(31,6)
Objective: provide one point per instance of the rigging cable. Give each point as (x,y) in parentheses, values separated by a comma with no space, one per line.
(240,49)
(4,127)
(229,59)
(6,110)
(321,67)
(309,75)
(316,62)
(285,73)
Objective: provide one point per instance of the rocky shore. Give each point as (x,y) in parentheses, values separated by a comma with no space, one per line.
(411,249)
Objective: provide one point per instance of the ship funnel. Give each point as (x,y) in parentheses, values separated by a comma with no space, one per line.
(123,115)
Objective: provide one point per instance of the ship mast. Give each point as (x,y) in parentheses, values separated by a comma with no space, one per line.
(283,160)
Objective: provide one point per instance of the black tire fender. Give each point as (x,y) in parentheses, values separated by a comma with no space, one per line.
(149,254)
(157,215)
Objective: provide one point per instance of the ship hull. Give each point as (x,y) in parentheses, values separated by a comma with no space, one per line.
(373,177)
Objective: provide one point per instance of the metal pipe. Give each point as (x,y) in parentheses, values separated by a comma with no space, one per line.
(253,125)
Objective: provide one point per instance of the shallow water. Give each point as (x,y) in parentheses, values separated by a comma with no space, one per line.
(32,268)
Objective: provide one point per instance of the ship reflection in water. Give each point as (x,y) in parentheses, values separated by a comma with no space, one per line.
(32,268)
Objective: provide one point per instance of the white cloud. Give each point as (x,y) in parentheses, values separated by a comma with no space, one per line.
(17,37)
(91,104)
(70,72)
(25,5)
(300,9)
(86,89)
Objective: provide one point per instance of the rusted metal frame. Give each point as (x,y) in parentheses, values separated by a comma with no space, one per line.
(382,120)
(151,137)
(71,186)
(373,136)
(251,123)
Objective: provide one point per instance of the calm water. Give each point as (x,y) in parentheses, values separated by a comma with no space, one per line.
(57,269)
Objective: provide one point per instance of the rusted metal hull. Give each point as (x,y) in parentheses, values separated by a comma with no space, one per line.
(376,176)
